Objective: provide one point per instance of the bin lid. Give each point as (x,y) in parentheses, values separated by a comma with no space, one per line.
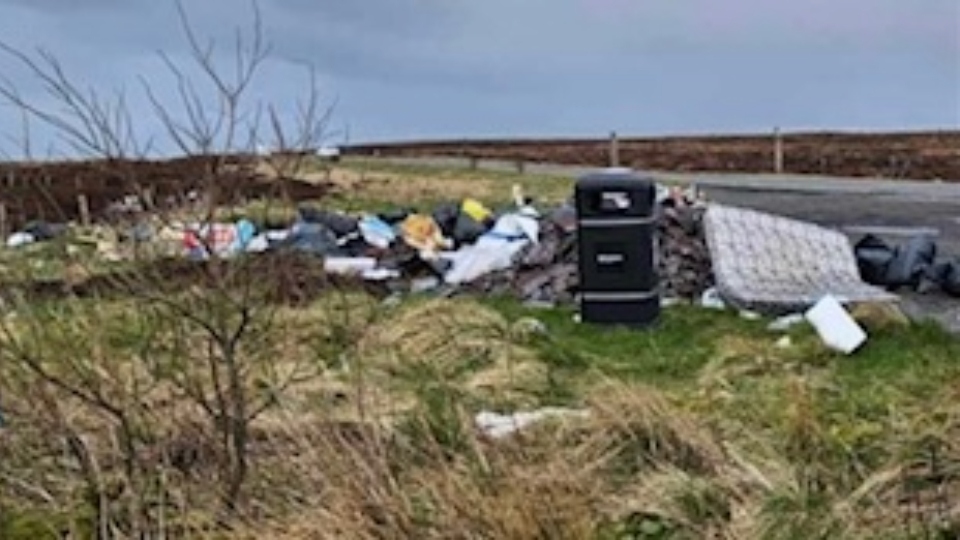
(626,180)
(615,176)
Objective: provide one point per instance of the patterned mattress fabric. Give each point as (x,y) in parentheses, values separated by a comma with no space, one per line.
(777,265)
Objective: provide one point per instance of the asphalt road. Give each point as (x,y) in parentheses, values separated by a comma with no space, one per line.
(895,210)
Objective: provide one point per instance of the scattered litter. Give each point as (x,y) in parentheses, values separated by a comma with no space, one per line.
(340,224)
(710,255)
(496,250)
(379,274)
(499,425)
(949,277)
(786,322)
(43,230)
(784,343)
(277,236)
(313,238)
(218,239)
(711,299)
(461,247)
(20,239)
(424,284)
(258,244)
(837,329)
(476,210)
(349,265)
(376,232)
(749,315)
(423,234)
(912,265)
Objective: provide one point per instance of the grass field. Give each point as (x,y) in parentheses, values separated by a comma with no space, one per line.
(705,426)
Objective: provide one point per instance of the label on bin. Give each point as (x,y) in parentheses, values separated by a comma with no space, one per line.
(610,258)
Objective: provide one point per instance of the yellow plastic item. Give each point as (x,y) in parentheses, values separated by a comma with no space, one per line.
(422,233)
(476,210)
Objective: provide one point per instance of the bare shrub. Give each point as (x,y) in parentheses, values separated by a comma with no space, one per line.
(146,396)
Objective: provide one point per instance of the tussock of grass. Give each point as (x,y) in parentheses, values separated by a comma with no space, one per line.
(460,343)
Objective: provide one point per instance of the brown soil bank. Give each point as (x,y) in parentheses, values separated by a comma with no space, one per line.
(50,190)
(915,155)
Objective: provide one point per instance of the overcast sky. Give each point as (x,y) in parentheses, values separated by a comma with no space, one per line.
(445,68)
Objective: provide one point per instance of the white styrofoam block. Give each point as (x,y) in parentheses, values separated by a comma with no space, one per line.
(836,327)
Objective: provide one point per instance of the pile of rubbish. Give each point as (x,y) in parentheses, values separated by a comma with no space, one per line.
(705,252)
(521,251)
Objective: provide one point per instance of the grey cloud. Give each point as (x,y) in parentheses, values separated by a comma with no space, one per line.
(406,18)
(59,6)
(550,66)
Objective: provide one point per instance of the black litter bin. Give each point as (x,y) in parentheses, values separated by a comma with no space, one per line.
(616,229)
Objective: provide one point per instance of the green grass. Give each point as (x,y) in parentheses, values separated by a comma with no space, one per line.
(551,189)
(671,352)
(818,423)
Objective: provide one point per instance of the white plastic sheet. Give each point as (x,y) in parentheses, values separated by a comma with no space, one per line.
(495,250)
(497,425)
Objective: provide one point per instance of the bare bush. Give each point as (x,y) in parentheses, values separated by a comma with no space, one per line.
(133,394)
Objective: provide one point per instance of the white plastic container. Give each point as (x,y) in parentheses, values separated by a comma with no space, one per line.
(836,327)
(349,265)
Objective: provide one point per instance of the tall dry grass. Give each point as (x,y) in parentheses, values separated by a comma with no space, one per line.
(383,444)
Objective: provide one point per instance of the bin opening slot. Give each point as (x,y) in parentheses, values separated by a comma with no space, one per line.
(614,201)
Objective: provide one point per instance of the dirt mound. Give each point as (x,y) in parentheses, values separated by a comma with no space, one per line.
(50,190)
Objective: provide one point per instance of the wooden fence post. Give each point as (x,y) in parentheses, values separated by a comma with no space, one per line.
(148,199)
(777,151)
(614,153)
(4,231)
(83,206)
(521,166)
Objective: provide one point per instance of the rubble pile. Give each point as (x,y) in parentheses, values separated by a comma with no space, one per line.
(684,264)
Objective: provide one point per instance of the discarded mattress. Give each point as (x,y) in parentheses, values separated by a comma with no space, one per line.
(778,265)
